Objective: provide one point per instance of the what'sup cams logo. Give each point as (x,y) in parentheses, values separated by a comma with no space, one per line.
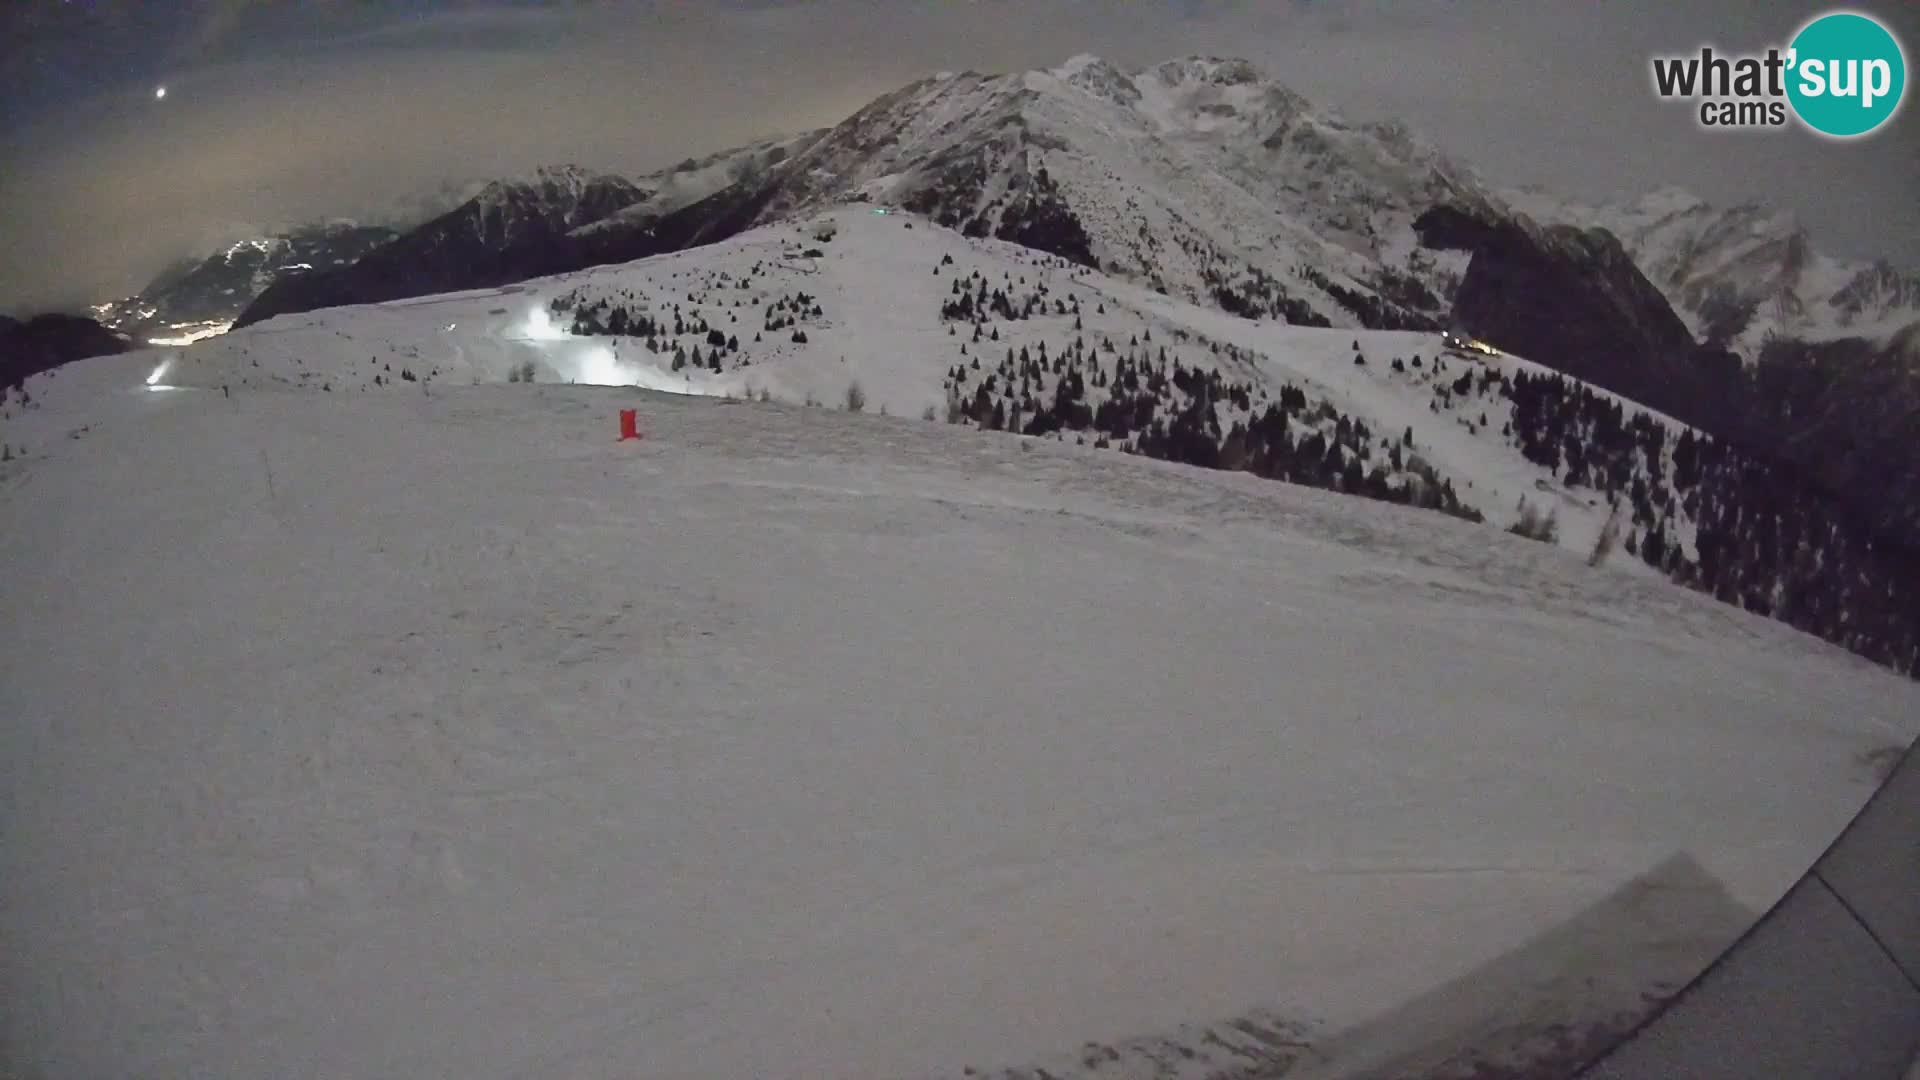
(1843,75)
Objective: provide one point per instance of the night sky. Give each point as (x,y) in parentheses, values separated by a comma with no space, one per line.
(280,113)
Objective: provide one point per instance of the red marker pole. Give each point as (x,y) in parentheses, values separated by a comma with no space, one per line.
(629,424)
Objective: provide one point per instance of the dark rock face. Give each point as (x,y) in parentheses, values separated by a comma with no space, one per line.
(45,342)
(509,232)
(442,256)
(561,219)
(1570,298)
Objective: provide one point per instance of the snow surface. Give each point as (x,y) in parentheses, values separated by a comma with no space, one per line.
(426,730)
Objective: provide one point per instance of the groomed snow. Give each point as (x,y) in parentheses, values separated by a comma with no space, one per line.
(386,734)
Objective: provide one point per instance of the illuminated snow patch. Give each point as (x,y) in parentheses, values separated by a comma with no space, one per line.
(597,366)
(159,372)
(593,363)
(539,326)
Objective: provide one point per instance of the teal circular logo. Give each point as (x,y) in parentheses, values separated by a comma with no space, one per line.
(1848,74)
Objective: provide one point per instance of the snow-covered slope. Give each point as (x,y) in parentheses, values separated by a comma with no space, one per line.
(869,305)
(922,321)
(430,731)
(930,322)
(1740,273)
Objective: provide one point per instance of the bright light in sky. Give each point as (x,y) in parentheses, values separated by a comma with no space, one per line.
(159,93)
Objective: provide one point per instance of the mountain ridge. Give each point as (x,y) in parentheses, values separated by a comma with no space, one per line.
(1744,273)
(200,296)
(1079,160)
(1204,177)
(549,220)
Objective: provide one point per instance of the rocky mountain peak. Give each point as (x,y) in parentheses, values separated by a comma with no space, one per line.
(1208,70)
(1099,78)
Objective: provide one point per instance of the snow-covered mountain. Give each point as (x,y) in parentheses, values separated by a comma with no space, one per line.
(361,672)
(694,179)
(1739,274)
(438,732)
(202,297)
(1202,177)
(527,216)
(1199,177)
(1823,378)
(1205,181)
(548,200)
(924,318)
(989,333)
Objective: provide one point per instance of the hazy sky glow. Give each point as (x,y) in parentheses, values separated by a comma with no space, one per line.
(276,114)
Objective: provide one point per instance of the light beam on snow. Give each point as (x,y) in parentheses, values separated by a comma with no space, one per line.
(594,364)
(539,326)
(599,367)
(159,372)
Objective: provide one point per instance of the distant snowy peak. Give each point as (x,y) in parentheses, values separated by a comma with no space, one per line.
(1879,290)
(551,199)
(1208,70)
(559,182)
(1742,273)
(677,186)
(1097,77)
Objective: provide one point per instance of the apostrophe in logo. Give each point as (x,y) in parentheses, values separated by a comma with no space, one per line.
(1848,74)
(1844,75)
